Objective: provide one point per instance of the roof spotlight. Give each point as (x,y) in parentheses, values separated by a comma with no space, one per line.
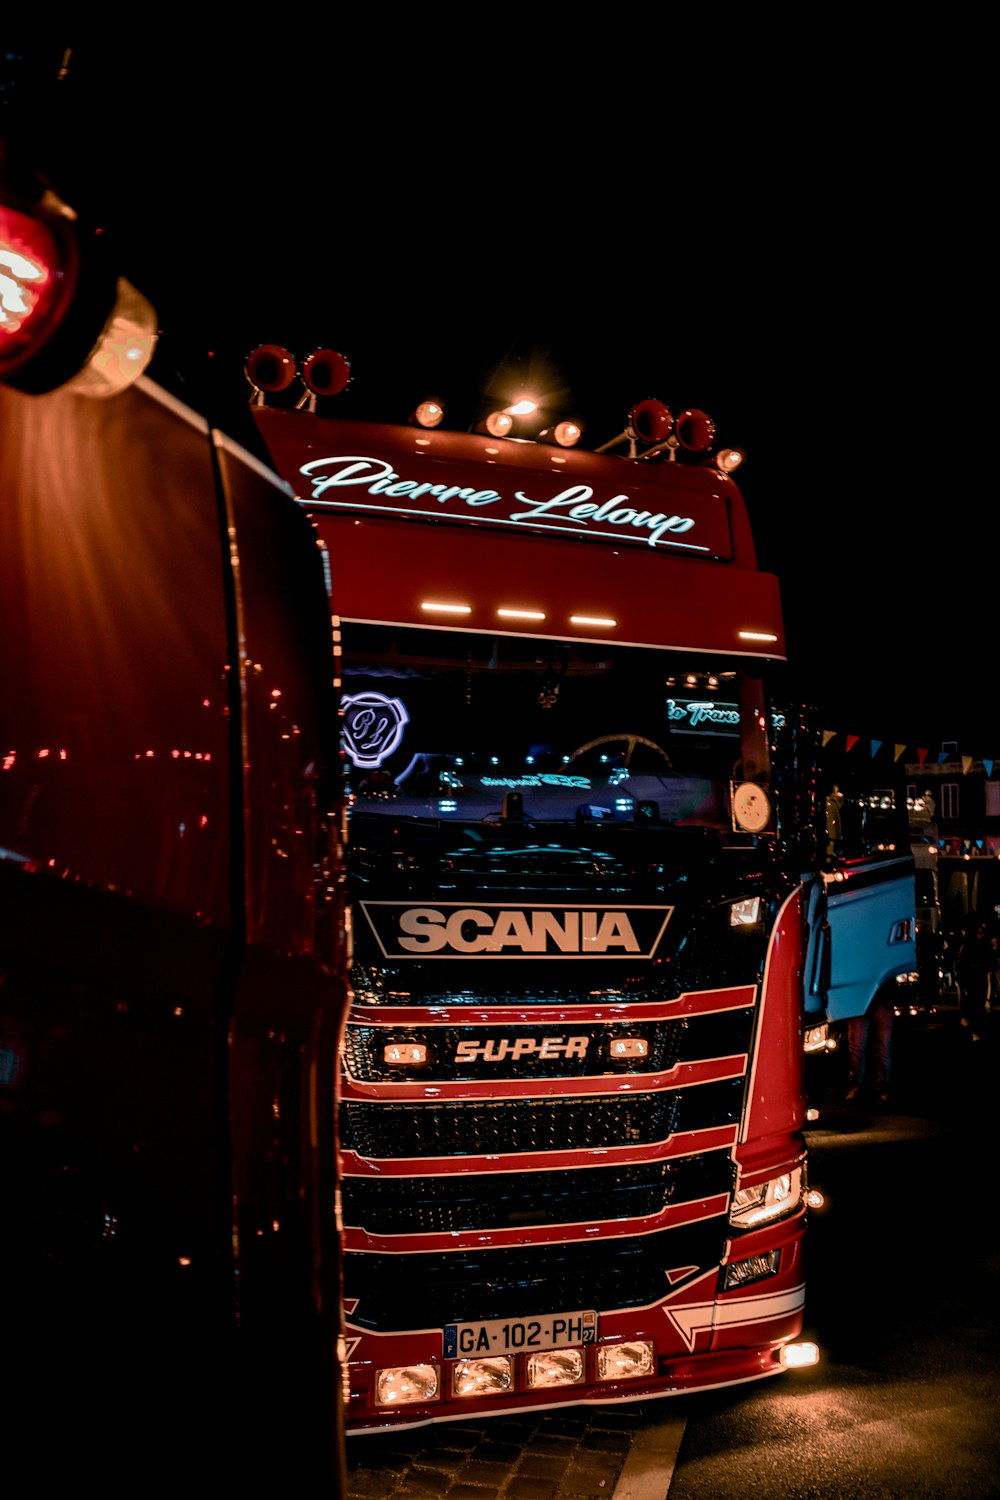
(269,369)
(728,459)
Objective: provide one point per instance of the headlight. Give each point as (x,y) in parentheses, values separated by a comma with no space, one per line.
(818,1039)
(767,1200)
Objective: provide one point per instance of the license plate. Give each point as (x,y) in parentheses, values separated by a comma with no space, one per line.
(512,1335)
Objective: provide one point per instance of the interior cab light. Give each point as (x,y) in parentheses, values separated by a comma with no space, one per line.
(402,1385)
(405,1054)
(629,1046)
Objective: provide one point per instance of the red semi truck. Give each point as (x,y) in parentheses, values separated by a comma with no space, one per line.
(473,732)
(586,908)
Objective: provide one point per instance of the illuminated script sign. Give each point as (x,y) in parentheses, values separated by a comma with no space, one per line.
(357,482)
(707,716)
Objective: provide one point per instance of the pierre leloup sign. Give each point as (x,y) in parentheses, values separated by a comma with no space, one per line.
(358,481)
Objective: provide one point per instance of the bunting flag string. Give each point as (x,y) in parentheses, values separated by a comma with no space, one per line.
(899,750)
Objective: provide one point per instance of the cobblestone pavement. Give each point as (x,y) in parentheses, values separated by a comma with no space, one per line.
(575,1452)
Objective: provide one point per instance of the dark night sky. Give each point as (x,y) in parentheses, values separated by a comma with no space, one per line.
(784,258)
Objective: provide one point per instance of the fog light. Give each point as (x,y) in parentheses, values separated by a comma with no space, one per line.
(405,1384)
(626,1361)
(405,1054)
(479,1377)
(798,1356)
(629,1046)
(556,1367)
(754,1268)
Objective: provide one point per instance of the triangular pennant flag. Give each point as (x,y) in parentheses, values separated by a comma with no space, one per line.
(828,735)
(989,768)
(852,740)
(942,757)
(876,747)
(966,764)
(899,751)
(921,756)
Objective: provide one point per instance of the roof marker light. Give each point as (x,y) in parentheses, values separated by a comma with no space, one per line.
(593,620)
(757,635)
(429,414)
(499,423)
(565,434)
(447,609)
(521,614)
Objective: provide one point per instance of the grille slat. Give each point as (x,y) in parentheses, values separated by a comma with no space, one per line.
(386,1131)
(424,1205)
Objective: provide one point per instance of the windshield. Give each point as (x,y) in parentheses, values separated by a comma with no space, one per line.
(448,725)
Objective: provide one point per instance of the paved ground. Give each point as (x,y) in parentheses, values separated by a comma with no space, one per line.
(572,1453)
